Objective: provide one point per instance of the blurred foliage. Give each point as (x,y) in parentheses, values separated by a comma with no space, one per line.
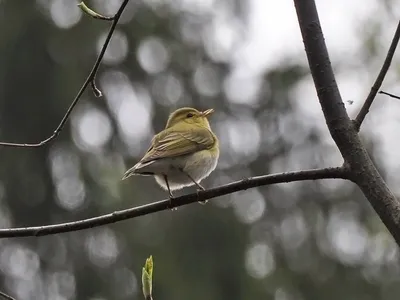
(309,240)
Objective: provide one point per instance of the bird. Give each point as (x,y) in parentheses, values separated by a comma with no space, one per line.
(182,154)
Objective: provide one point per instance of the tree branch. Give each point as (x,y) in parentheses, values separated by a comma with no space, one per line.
(5,296)
(326,173)
(378,82)
(89,80)
(363,171)
(390,95)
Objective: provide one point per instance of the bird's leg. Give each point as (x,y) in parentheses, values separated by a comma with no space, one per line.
(171,197)
(199,187)
(169,190)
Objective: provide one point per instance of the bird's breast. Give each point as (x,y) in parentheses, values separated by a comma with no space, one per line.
(200,164)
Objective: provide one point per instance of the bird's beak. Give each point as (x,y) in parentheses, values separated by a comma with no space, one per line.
(207,112)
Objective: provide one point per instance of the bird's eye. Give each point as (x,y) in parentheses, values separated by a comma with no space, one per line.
(189,115)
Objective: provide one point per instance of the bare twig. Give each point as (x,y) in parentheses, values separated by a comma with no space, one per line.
(378,82)
(326,173)
(390,95)
(5,296)
(92,13)
(88,80)
(95,90)
(341,128)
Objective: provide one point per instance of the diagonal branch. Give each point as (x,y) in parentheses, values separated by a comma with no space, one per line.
(378,82)
(5,296)
(390,95)
(362,169)
(117,216)
(89,80)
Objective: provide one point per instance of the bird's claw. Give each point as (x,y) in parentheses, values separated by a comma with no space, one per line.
(171,198)
(201,189)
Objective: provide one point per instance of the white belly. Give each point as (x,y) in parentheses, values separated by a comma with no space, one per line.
(198,165)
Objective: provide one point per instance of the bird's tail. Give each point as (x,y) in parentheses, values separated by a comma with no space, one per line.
(128,173)
(136,170)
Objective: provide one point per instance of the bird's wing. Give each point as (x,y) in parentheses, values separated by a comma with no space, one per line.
(176,143)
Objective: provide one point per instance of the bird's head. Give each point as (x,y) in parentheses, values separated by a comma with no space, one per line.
(189,116)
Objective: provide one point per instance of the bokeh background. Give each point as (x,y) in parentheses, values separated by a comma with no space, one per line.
(244,58)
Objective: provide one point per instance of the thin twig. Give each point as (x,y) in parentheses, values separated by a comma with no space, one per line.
(95,90)
(92,13)
(88,80)
(390,95)
(117,216)
(5,296)
(378,82)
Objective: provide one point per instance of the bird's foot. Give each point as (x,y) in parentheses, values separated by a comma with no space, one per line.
(171,205)
(200,189)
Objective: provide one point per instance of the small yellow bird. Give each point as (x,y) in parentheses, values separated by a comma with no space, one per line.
(181,155)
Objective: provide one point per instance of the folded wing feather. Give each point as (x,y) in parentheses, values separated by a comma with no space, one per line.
(170,144)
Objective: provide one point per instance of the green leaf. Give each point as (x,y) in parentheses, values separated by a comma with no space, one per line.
(147,278)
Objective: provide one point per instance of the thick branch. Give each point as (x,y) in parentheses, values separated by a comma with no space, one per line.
(378,82)
(90,79)
(363,171)
(131,213)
